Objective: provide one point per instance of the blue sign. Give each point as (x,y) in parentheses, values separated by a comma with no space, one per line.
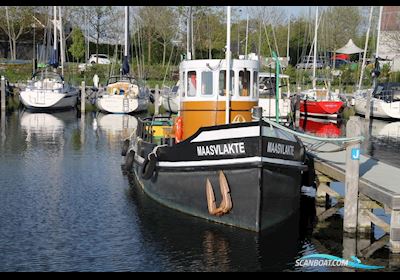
(355,154)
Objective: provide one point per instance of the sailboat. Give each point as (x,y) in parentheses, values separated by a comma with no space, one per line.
(47,88)
(385,97)
(319,102)
(216,161)
(123,94)
(170,98)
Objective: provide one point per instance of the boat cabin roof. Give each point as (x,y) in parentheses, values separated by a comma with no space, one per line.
(205,80)
(123,78)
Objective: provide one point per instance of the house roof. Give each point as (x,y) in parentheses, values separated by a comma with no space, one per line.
(349,48)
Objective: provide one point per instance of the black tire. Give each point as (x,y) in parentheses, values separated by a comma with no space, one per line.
(125,147)
(130,157)
(149,165)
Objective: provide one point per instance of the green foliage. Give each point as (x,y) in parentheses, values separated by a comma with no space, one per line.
(77,48)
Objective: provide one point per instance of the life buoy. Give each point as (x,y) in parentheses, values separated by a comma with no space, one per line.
(178,129)
(129,160)
(125,147)
(148,167)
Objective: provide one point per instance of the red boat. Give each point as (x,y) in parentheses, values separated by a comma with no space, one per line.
(320,107)
(320,128)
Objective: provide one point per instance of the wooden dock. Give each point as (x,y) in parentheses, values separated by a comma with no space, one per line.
(378,186)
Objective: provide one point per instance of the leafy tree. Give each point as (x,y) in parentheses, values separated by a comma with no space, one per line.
(77,48)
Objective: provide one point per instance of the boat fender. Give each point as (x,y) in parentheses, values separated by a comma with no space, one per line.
(125,147)
(149,165)
(308,177)
(129,160)
(178,129)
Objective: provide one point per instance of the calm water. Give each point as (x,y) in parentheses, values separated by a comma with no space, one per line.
(66,205)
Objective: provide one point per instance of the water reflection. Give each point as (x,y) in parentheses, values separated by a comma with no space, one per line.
(320,127)
(115,126)
(194,244)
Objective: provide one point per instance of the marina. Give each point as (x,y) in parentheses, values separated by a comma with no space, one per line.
(224,162)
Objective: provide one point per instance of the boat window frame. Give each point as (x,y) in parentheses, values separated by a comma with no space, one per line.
(232,84)
(240,83)
(211,73)
(196,91)
(255,81)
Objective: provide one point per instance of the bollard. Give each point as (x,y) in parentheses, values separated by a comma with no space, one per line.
(3,94)
(83,97)
(353,129)
(156,100)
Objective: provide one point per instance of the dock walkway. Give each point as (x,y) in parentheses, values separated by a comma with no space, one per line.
(378,182)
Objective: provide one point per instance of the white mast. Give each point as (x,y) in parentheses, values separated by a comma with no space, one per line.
(379,31)
(365,48)
(188,56)
(315,47)
(288,37)
(55,28)
(126,32)
(228,66)
(247,32)
(61,43)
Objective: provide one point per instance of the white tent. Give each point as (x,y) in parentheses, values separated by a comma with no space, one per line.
(349,48)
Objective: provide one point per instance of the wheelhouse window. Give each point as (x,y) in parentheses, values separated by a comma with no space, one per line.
(255,80)
(191,83)
(244,83)
(222,83)
(207,83)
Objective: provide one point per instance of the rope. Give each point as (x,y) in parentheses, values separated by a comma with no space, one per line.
(324,139)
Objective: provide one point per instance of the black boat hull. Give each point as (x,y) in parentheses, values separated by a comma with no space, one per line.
(262,196)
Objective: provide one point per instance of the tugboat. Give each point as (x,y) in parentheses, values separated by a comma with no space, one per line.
(217,162)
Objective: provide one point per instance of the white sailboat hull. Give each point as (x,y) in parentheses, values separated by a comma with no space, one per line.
(118,104)
(170,103)
(45,99)
(268,106)
(379,108)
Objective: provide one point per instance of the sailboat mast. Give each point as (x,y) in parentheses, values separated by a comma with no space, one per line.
(126,31)
(61,43)
(288,37)
(55,29)
(365,48)
(228,66)
(315,47)
(379,31)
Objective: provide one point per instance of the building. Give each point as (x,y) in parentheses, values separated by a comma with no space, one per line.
(389,47)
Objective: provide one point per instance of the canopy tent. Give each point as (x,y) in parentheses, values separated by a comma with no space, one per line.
(349,48)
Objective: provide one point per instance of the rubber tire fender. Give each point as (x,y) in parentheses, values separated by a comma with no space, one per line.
(125,147)
(148,167)
(130,157)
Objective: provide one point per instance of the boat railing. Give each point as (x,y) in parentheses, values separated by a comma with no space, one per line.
(145,128)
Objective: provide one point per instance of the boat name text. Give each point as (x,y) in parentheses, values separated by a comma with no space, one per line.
(221,149)
(282,149)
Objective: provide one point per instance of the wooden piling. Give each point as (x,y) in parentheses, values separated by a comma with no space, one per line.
(156,100)
(353,129)
(83,97)
(395,232)
(3,94)
(364,223)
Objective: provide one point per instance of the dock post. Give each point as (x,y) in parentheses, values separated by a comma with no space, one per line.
(395,232)
(364,226)
(353,129)
(3,94)
(83,97)
(156,100)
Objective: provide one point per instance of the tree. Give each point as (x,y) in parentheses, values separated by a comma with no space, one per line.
(77,48)
(15,21)
(99,22)
(165,28)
